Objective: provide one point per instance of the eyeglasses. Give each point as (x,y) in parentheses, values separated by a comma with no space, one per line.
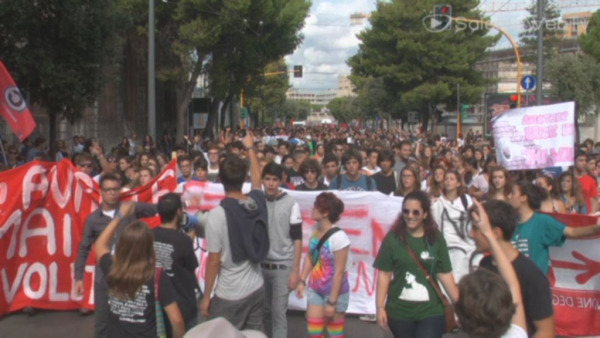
(112,160)
(85,165)
(408,212)
(311,171)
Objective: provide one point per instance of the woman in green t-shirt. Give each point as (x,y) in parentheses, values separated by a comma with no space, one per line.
(406,301)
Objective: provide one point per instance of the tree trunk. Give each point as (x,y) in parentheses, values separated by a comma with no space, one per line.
(425,118)
(212,121)
(226,105)
(184,93)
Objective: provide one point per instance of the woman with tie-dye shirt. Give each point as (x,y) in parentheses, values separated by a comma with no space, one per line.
(328,290)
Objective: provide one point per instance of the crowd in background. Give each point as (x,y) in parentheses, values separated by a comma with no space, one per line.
(442,181)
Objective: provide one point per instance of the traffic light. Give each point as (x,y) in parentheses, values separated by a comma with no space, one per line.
(297,71)
(442,17)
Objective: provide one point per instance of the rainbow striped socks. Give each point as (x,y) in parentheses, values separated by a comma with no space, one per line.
(315,327)
(336,328)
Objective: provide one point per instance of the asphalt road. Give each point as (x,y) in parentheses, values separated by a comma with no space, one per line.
(70,324)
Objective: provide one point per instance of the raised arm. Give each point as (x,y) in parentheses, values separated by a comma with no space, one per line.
(255,176)
(103,243)
(506,269)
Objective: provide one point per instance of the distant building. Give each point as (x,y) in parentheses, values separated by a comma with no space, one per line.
(345,86)
(576,24)
(314,97)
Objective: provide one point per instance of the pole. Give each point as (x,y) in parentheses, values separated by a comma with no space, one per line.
(151,75)
(515,46)
(459,113)
(540,51)
(3,151)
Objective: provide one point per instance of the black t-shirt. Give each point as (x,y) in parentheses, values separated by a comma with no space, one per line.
(385,184)
(137,317)
(303,187)
(535,289)
(295,177)
(175,253)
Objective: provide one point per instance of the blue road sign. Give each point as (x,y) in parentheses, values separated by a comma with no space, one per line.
(528,82)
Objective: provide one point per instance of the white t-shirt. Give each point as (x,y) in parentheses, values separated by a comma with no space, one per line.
(515,331)
(480,183)
(339,241)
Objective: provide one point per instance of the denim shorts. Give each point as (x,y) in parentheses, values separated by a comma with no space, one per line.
(315,298)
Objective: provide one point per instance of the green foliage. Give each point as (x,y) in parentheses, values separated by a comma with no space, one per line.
(266,94)
(410,68)
(553,29)
(344,109)
(237,39)
(590,42)
(576,78)
(57,49)
(293,109)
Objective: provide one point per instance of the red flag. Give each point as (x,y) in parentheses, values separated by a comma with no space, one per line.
(13,107)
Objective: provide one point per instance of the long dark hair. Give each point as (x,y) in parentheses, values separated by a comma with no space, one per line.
(134,261)
(431,228)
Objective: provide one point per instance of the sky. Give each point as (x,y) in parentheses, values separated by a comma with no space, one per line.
(329,39)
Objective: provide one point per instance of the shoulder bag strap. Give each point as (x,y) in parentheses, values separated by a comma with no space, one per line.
(433,282)
(315,254)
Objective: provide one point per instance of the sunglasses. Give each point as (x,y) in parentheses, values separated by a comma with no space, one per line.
(408,212)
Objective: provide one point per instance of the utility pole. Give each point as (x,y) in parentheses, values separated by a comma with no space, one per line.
(458,113)
(151,75)
(540,51)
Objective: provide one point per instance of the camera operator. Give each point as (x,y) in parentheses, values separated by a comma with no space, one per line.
(175,253)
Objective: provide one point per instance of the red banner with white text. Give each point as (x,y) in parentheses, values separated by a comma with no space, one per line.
(43,208)
(13,107)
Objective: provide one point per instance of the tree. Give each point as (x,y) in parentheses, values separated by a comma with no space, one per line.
(576,78)
(266,94)
(419,67)
(293,109)
(590,42)
(344,108)
(55,53)
(553,29)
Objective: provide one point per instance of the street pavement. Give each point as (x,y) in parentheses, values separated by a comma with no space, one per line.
(70,324)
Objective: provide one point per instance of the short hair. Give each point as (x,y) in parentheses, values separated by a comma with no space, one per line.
(109,177)
(329,203)
(238,145)
(386,155)
(273,169)
(502,215)
(148,169)
(352,154)
(167,207)
(269,149)
(329,158)
(83,157)
(581,153)
(535,195)
(183,158)
(310,163)
(201,163)
(232,172)
(472,162)
(485,307)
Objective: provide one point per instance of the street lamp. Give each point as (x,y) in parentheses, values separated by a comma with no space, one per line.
(151,74)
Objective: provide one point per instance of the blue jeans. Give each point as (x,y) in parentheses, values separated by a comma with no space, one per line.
(430,327)
(314,298)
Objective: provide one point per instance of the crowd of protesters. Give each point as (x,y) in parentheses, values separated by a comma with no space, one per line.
(458,204)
